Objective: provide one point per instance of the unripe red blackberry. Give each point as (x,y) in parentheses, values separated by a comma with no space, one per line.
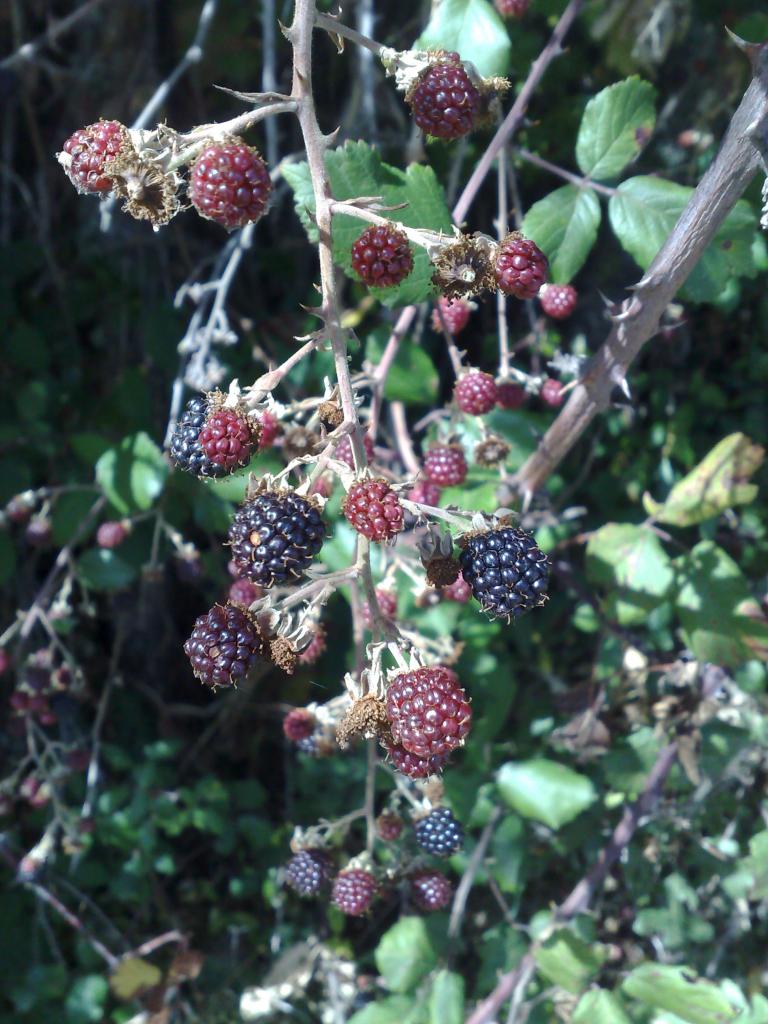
(475,393)
(230,184)
(353,891)
(521,267)
(507,571)
(373,509)
(244,593)
(444,100)
(430,890)
(512,8)
(387,600)
(551,393)
(558,300)
(228,439)
(382,257)
(412,765)
(270,428)
(298,725)
(389,826)
(428,711)
(275,536)
(307,872)
(39,532)
(225,644)
(111,534)
(314,649)
(509,395)
(439,833)
(458,591)
(453,313)
(19,509)
(445,465)
(210,441)
(91,149)
(425,493)
(343,450)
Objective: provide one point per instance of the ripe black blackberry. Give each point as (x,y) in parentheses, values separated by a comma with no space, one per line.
(307,872)
(275,536)
(225,644)
(439,833)
(507,571)
(186,450)
(430,890)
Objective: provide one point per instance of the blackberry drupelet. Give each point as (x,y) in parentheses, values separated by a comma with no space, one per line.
(275,536)
(439,833)
(507,571)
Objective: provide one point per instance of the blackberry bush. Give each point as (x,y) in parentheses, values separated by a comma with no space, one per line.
(445,465)
(382,257)
(225,645)
(428,711)
(230,184)
(475,393)
(308,872)
(430,890)
(521,267)
(374,509)
(445,102)
(89,153)
(353,891)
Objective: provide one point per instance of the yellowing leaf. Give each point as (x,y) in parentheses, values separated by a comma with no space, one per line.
(720,481)
(133,976)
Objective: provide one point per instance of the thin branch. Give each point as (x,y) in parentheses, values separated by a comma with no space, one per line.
(716,195)
(335,28)
(560,172)
(514,118)
(513,983)
(29,51)
(468,878)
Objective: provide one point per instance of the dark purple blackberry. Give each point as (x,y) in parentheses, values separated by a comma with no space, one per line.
(507,571)
(307,872)
(439,833)
(275,536)
(224,645)
(186,450)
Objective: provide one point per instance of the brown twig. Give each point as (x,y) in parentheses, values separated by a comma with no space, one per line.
(716,195)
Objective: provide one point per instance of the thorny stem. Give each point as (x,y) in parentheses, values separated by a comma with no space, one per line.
(502,227)
(419,236)
(514,118)
(195,141)
(335,28)
(315,143)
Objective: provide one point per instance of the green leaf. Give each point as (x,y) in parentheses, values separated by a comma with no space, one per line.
(395,1010)
(132,474)
(721,622)
(718,482)
(356,169)
(757,865)
(678,990)
(564,226)
(631,561)
(300,180)
(68,514)
(545,791)
(599,1007)
(412,378)
(85,1002)
(508,848)
(568,961)
(615,126)
(446,1000)
(405,954)
(474,30)
(133,976)
(103,569)
(645,210)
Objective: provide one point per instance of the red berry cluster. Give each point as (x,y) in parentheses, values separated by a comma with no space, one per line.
(445,101)
(512,8)
(509,395)
(373,509)
(521,267)
(343,450)
(558,300)
(451,315)
(382,257)
(476,393)
(227,439)
(230,184)
(428,711)
(445,465)
(91,149)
